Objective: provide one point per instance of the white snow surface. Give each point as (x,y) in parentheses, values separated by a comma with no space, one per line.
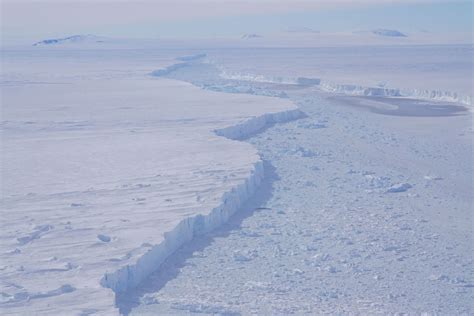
(107,170)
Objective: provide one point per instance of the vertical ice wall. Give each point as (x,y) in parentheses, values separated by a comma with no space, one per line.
(354,89)
(130,276)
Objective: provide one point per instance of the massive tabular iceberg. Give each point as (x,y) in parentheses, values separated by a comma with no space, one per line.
(134,168)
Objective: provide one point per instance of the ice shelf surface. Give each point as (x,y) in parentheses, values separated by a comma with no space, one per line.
(104,162)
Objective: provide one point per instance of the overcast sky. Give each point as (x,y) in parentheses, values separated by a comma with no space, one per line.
(38,19)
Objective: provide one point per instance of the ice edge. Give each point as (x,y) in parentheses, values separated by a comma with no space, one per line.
(130,276)
(354,89)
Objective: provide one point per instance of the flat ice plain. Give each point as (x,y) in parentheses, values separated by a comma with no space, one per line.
(346,200)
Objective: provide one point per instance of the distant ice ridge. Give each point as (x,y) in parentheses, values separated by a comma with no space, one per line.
(353,89)
(256,78)
(241,87)
(186,61)
(191,57)
(130,276)
(167,70)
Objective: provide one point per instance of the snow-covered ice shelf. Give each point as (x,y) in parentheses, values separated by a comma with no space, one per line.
(105,176)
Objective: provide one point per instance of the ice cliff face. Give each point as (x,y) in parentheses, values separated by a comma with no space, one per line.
(256,124)
(359,90)
(438,95)
(435,95)
(130,276)
(354,89)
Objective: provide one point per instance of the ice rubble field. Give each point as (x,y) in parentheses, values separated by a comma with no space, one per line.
(365,210)
(360,208)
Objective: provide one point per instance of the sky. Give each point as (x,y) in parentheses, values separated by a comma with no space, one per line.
(40,19)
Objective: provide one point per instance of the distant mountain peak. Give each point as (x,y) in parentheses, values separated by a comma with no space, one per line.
(250,36)
(382,32)
(71,39)
(386,32)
